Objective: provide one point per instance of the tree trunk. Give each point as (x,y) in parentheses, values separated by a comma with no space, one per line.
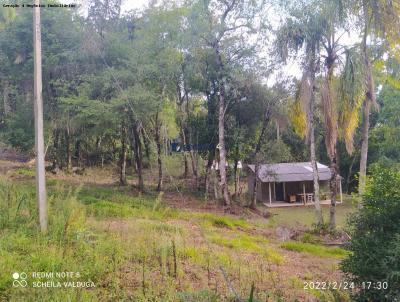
(253,204)
(221,132)
(318,211)
(193,159)
(122,163)
(97,158)
(185,159)
(6,103)
(215,184)
(235,174)
(159,159)
(364,147)
(278,132)
(56,160)
(138,154)
(69,151)
(369,99)
(146,144)
(333,189)
(330,115)
(132,155)
(349,174)
(313,158)
(221,143)
(207,174)
(78,152)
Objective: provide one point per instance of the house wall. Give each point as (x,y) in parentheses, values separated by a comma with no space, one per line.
(265,192)
(261,193)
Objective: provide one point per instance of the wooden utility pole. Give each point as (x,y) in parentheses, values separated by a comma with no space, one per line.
(38,104)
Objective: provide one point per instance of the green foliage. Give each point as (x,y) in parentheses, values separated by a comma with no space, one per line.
(314,249)
(298,119)
(18,130)
(309,238)
(68,246)
(109,209)
(385,135)
(26,172)
(240,242)
(224,221)
(375,237)
(204,295)
(351,96)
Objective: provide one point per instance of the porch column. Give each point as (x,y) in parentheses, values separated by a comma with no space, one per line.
(269,187)
(340,188)
(284,192)
(274,191)
(304,192)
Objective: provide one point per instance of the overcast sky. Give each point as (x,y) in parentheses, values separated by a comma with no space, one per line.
(128,5)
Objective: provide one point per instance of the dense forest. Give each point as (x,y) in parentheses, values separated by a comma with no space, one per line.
(210,86)
(122,88)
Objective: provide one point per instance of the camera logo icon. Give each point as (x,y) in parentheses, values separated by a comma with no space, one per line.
(19,279)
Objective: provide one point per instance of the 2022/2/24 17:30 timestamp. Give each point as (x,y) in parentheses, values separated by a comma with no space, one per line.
(345,285)
(377,285)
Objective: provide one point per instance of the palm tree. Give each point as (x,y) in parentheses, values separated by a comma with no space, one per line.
(304,30)
(340,97)
(383,18)
(316,28)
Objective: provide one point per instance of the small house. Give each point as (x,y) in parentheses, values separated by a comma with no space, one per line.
(287,184)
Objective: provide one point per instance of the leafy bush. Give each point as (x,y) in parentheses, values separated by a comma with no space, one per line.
(376,238)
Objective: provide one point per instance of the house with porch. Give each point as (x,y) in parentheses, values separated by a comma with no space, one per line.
(289,184)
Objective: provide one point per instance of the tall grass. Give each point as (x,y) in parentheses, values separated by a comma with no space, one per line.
(134,248)
(67,247)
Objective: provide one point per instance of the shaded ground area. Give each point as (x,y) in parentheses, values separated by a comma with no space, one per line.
(11,159)
(8,154)
(6,166)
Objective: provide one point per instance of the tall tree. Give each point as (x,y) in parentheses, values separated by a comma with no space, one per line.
(224,26)
(304,30)
(319,32)
(378,17)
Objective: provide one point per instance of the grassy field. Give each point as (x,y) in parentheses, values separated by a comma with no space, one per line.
(306,215)
(145,248)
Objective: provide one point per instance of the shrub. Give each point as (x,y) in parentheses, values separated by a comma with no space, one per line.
(375,243)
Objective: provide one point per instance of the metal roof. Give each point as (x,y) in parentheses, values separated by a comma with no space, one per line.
(290,172)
